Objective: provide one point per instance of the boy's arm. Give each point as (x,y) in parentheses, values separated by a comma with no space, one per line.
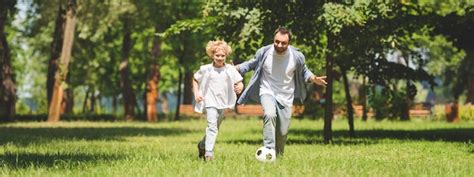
(197,95)
(238,87)
(237,80)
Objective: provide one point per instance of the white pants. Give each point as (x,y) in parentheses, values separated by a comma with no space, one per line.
(276,121)
(214,120)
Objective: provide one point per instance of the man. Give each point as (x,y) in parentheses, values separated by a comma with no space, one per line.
(279,78)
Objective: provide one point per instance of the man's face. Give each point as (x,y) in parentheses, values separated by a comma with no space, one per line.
(281,42)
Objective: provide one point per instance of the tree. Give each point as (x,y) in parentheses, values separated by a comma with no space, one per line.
(33,39)
(455,26)
(328,110)
(127,92)
(187,38)
(61,73)
(368,31)
(67,102)
(162,15)
(153,78)
(98,54)
(56,46)
(7,83)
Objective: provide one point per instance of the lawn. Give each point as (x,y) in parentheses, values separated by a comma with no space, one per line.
(415,148)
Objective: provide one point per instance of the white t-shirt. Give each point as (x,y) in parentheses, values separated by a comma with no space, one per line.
(216,96)
(277,77)
(219,86)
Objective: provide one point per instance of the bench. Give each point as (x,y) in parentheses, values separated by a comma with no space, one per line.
(420,110)
(417,110)
(246,110)
(358,111)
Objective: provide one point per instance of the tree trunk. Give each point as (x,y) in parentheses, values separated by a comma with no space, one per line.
(470,89)
(67,104)
(152,89)
(61,73)
(350,110)
(86,99)
(7,84)
(364,100)
(452,112)
(405,112)
(92,101)
(129,99)
(328,114)
(152,95)
(188,88)
(178,97)
(70,101)
(56,46)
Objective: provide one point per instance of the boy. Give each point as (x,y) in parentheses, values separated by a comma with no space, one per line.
(215,87)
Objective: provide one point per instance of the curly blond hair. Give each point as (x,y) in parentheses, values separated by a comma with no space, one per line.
(213,46)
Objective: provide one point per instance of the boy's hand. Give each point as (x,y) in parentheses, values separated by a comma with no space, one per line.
(238,87)
(198,98)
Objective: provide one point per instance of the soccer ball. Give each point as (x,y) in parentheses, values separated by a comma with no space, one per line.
(265,154)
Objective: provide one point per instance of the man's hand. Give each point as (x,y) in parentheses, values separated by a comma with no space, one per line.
(238,87)
(319,80)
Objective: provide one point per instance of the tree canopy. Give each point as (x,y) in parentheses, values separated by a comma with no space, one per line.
(391,44)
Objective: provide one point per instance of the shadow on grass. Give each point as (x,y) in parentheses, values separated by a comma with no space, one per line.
(367,137)
(449,135)
(25,160)
(25,136)
(318,140)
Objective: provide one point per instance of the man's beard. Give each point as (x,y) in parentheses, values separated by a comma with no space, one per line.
(280,50)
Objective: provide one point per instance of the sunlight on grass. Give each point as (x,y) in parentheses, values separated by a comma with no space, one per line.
(416,148)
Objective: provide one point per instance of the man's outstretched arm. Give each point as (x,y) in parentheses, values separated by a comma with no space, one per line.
(320,80)
(246,66)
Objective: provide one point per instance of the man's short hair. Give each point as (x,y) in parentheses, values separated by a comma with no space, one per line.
(283,30)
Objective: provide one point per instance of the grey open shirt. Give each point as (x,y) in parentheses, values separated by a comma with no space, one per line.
(252,91)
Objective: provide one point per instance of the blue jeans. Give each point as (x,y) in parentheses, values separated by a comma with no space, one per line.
(214,120)
(276,121)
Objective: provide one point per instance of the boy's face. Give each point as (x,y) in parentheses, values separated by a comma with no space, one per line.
(281,42)
(219,57)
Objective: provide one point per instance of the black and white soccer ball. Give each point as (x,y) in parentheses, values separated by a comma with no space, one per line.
(264,154)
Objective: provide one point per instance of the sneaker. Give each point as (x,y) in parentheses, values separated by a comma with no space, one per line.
(201,152)
(208,158)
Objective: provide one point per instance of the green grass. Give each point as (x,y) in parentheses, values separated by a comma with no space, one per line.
(416,148)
